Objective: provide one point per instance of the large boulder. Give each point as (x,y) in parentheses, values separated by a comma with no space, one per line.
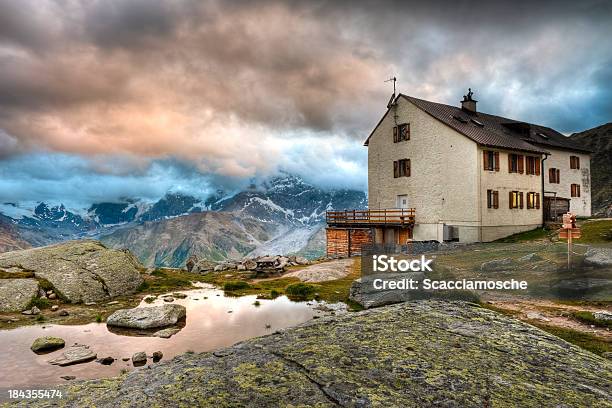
(75,354)
(417,354)
(598,257)
(47,343)
(147,317)
(15,294)
(365,292)
(81,271)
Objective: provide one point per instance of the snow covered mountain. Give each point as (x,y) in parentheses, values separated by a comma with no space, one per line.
(289,210)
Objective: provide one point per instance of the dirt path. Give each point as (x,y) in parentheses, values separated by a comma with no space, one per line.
(554,314)
(324,271)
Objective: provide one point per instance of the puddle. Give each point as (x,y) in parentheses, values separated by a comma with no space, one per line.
(209,326)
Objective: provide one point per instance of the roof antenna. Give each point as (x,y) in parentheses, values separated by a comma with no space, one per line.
(392,100)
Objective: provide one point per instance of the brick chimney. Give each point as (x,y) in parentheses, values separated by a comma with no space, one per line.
(468,104)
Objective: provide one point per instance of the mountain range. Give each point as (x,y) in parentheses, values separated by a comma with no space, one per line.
(283,214)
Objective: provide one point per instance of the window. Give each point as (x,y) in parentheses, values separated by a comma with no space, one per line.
(490,160)
(515,163)
(401,168)
(574,162)
(575,190)
(554,176)
(401,132)
(533,165)
(516,199)
(533,200)
(492,199)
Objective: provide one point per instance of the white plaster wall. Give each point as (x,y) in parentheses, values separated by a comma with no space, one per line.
(560,159)
(443,183)
(503,221)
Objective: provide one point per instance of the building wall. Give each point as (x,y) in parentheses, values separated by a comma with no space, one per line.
(443,183)
(503,221)
(560,159)
(347,241)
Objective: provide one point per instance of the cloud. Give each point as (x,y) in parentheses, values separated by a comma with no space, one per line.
(240,89)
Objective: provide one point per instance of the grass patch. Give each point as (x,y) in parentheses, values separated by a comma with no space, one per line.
(586,341)
(596,232)
(232,286)
(300,291)
(535,234)
(99,318)
(39,303)
(588,318)
(149,299)
(166,280)
(15,275)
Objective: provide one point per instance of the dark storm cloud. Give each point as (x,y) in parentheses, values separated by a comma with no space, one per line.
(233,88)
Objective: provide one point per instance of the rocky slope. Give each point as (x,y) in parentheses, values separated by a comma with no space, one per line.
(10,239)
(209,235)
(79,271)
(410,355)
(599,139)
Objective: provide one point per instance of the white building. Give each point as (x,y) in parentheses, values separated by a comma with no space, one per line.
(471,176)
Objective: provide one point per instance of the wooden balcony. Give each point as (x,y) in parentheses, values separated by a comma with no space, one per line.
(359,218)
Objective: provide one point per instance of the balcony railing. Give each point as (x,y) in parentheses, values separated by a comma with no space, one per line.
(399,216)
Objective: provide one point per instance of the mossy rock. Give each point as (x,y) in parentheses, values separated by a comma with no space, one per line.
(47,343)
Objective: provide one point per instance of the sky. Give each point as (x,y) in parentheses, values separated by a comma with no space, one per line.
(113,99)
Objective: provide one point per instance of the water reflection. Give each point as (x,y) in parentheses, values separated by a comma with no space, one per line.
(213,321)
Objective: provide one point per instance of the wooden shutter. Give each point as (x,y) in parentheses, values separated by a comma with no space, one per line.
(551,177)
(577,190)
(408,167)
(395,169)
(408,131)
(509,163)
(395,137)
(496,156)
(496,199)
(578,164)
(537,201)
(510,199)
(537,165)
(485,159)
(558,178)
(521,199)
(521,164)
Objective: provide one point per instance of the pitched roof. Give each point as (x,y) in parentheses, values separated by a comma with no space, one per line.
(494,131)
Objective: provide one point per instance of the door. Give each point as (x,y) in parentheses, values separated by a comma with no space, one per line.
(402,201)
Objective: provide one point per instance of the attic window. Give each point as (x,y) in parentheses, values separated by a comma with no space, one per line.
(477,123)
(542,135)
(460,119)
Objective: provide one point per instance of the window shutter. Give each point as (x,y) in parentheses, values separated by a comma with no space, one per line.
(496,155)
(395,169)
(577,162)
(538,201)
(395,135)
(551,178)
(509,163)
(521,199)
(537,165)
(510,200)
(496,199)
(521,164)
(408,167)
(558,178)
(485,160)
(408,131)
(577,190)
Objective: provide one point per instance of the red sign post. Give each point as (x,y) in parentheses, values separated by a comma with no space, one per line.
(570,232)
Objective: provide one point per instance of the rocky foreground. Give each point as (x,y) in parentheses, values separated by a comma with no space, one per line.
(417,354)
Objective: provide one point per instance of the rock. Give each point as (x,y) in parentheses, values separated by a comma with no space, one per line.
(106,360)
(52,296)
(54,308)
(530,258)
(219,268)
(157,355)
(42,293)
(166,333)
(147,317)
(363,292)
(178,295)
(15,294)
(139,358)
(47,343)
(282,262)
(598,257)
(27,312)
(114,302)
(395,356)
(250,265)
(537,316)
(68,377)
(169,299)
(81,271)
(35,310)
(64,313)
(75,354)
(241,267)
(203,266)
(607,354)
(497,264)
(602,315)
(191,262)
(90,303)
(300,260)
